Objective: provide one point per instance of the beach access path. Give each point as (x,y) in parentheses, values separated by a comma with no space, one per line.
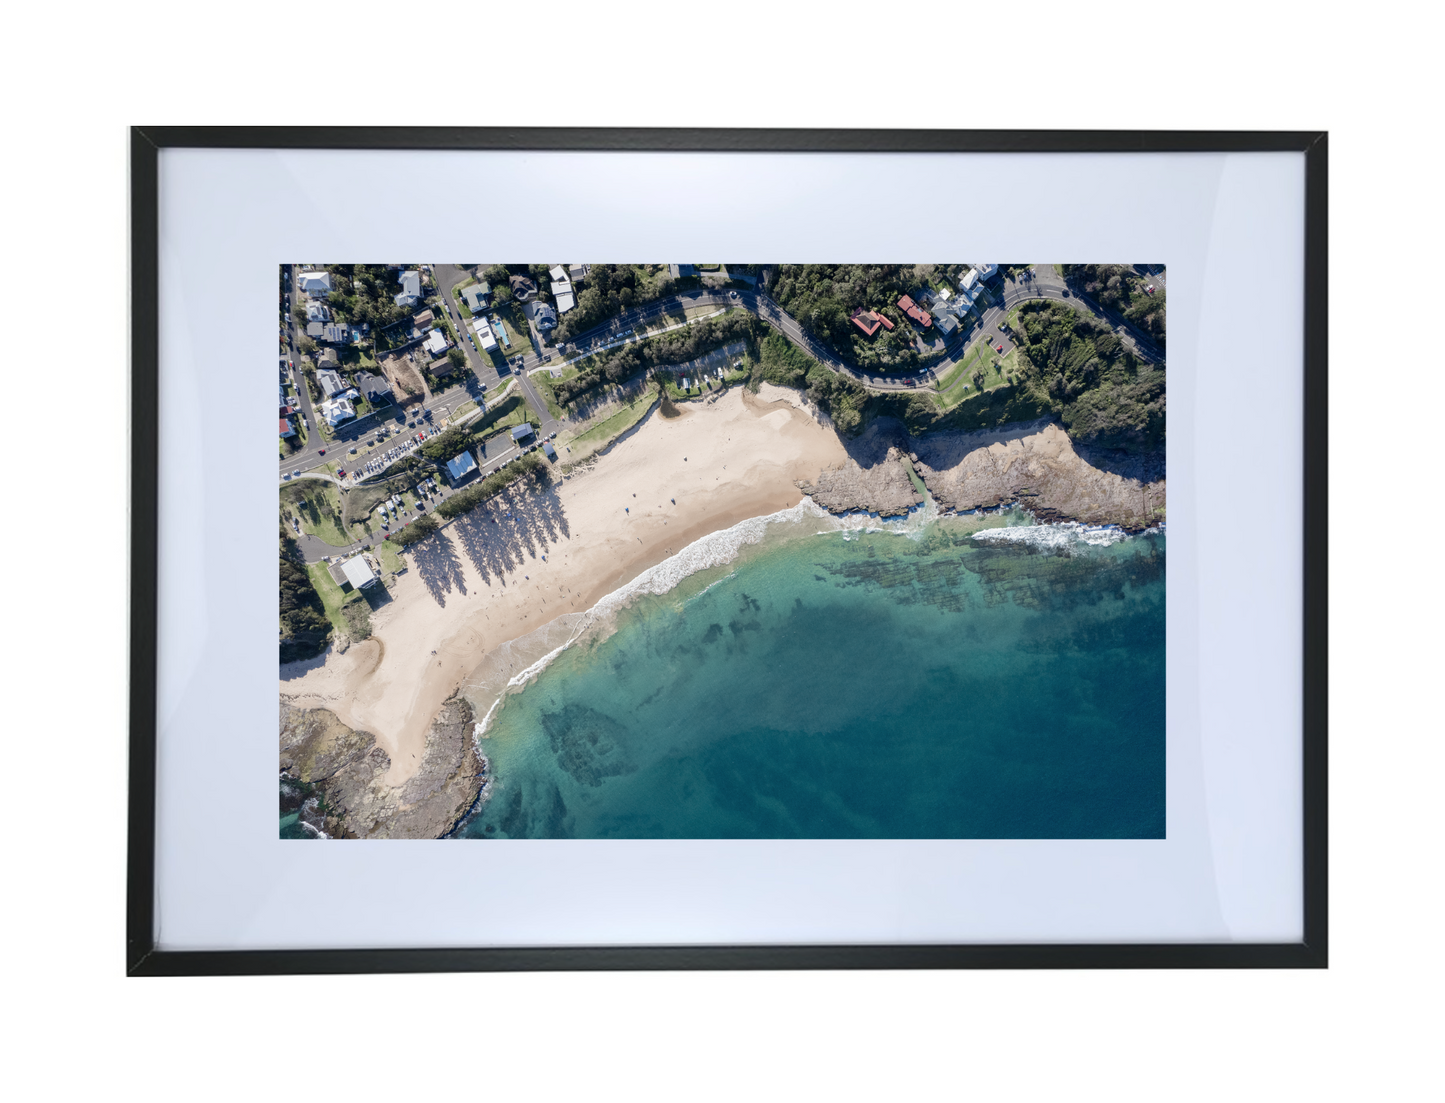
(517,562)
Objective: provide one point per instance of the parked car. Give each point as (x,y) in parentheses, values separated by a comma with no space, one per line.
(998,348)
(1149,290)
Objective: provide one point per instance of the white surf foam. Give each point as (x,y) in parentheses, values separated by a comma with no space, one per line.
(714,550)
(1063,535)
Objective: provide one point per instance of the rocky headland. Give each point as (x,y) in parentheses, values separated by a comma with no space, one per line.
(344,768)
(1035,464)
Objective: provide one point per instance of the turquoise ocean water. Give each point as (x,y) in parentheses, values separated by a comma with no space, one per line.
(937,680)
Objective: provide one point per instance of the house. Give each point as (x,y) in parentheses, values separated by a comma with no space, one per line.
(576,272)
(330,382)
(336,333)
(551,452)
(460,466)
(485,337)
(947,325)
(329,358)
(869,321)
(558,273)
(565,301)
(985,271)
(544,317)
(435,343)
(560,288)
(336,411)
(287,429)
(315,283)
(410,293)
(375,387)
(423,321)
(676,271)
(314,330)
(476,296)
(316,312)
(523,431)
(914,311)
(522,288)
(359,572)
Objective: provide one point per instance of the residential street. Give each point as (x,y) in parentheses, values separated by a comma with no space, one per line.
(1046,284)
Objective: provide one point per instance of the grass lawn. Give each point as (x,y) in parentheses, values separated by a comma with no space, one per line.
(952,386)
(390,557)
(318,505)
(611,427)
(465,408)
(543,382)
(512,410)
(331,596)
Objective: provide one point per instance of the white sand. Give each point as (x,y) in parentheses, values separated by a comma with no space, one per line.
(722,462)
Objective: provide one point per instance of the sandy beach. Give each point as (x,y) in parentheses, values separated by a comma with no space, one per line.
(484,581)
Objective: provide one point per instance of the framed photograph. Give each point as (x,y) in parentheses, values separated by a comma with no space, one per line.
(843,601)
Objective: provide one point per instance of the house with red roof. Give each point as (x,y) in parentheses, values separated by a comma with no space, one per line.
(869,321)
(914,311)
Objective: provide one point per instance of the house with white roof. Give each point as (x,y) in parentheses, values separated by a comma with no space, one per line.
(435,344)
(557,272)
(985,271)
(359,572)
(565,301)
(485,337)
(336,411)
(316,283)
(410,288)
(317,312)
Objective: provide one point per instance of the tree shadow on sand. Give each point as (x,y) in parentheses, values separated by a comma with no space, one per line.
(440,568)
(500,535)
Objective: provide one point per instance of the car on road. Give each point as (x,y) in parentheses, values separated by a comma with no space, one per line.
(321,451)
(341,472)
(732,294)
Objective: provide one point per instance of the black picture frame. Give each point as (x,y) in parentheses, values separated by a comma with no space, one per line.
(142,956)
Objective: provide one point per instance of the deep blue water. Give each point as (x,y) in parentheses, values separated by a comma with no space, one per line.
(879,686)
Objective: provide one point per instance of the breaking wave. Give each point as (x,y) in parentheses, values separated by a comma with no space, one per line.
(1060,536)
(498,673)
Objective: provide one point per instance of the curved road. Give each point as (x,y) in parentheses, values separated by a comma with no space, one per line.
(1045,286)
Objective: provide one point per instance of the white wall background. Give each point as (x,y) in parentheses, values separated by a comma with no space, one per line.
(75,82)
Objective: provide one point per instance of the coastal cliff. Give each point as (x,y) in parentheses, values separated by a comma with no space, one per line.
(345,768)
(1035,464)
(883,488)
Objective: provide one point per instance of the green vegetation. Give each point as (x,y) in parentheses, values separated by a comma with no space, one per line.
(457,357)
(357,615)
(317,504)
(612,426)
(419,529)
(531,464)
(660,351)
(332,599)
(391,561)
(365,294)
(1116,287)
(823,297)
(304,625)
(610,290)
(783,363)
